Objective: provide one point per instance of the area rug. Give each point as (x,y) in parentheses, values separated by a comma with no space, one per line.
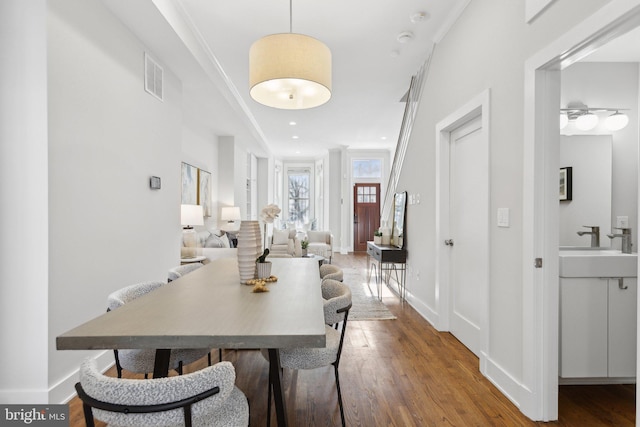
(365,305)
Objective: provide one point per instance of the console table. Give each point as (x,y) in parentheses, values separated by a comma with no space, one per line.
(389,259)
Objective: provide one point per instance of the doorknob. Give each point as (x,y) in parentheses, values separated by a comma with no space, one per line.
(448,242)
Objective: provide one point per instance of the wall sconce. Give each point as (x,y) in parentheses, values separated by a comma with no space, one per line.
(585,118)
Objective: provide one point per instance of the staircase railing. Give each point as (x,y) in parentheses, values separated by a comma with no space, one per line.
(411,106)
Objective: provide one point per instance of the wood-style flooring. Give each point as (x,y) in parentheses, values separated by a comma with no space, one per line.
(405,373)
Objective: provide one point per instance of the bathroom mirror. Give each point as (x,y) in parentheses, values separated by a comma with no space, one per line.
(590,160)
(399,217)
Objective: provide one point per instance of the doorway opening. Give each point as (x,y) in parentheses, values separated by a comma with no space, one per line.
(540,198)
(366,214)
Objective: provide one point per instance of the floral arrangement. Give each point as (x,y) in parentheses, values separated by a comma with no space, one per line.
(269,213)
(263,258)
(304,244)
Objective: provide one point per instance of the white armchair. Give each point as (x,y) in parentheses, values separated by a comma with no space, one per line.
(284,244)
(320,243)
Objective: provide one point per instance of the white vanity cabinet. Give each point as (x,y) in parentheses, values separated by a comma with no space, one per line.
(598,327)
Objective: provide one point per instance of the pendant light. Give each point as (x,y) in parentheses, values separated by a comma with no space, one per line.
(290,71)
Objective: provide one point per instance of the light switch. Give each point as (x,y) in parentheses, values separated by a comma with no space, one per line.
(503,217)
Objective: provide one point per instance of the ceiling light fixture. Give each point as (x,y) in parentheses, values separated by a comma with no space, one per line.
(290,71)
(585,118)
(616,121)
(405,37)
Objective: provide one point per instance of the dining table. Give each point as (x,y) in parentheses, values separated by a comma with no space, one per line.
(210,308)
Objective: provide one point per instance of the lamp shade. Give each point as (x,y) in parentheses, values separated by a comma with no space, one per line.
(290,71)
(230,213)
(587,121)
(191,215)
(616,121)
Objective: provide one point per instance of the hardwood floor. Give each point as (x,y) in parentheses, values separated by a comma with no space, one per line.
(405,373)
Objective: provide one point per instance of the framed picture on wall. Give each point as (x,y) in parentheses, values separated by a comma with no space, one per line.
(565,183)
(204,192)
(189,184)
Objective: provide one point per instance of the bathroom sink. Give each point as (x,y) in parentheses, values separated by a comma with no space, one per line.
(598,263)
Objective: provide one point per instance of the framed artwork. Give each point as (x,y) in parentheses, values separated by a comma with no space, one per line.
(565,183)
(189,184)
(204,192)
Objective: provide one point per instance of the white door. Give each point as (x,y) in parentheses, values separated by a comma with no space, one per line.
(468,201)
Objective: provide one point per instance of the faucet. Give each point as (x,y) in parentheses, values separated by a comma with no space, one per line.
(626,239)
(595,235)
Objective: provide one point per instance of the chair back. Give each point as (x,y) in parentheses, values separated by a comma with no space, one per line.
(337,301)
(179,271)
(124,295)
(330,271)
(161,401)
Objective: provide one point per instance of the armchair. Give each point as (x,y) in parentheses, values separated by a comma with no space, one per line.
(320,243)
(284,244)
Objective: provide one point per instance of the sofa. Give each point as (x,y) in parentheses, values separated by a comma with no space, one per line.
(215,244)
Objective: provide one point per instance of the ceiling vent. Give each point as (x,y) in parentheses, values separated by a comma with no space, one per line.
(152,77)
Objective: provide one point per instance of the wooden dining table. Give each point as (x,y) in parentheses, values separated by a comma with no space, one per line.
(209,308)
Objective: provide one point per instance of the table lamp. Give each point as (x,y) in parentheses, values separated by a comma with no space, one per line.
(231,214)
(190,215)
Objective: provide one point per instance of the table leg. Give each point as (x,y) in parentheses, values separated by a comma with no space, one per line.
(275,378)
(161,365)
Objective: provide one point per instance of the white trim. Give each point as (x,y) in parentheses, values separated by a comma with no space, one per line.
(59,393)
(540,219)
(478,106)
(533,8)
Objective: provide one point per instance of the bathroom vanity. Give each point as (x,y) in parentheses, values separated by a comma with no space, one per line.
(598,292)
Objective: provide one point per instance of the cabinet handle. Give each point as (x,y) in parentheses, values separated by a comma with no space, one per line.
(621,284)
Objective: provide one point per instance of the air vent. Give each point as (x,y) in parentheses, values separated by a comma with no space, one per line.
(152,77)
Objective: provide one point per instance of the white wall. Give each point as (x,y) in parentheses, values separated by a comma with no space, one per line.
(485,49)
(601,84)
(107,136)
(24,219)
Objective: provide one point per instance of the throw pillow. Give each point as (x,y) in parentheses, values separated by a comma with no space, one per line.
(280,237)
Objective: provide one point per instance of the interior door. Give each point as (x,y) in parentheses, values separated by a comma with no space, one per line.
(468,200)
(366,214)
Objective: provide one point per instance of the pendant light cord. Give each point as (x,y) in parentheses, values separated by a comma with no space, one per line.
(290,16)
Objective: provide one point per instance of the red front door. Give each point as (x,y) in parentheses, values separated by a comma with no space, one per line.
(366,214)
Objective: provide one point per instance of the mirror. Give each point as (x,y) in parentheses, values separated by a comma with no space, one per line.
(590,159)
(399,217)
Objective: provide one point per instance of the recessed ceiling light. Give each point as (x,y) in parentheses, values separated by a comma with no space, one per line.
(292,123)
(295,137)
(405,37)
(384,138)
(297,151)
(418,17)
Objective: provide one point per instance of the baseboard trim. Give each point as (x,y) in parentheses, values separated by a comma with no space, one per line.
(424,310)
(506,383)
(64,390)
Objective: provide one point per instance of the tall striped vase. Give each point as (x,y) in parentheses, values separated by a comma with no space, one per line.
(249,248)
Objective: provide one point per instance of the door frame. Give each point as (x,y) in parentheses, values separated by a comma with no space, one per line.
(353,207)
(478,106)
(540,298)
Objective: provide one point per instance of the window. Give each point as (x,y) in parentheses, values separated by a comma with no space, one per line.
(299,185)
(367,168)
(367,194)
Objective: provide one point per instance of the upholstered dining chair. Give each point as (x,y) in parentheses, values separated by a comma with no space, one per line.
(207,397)
(179,271)
(330,271)
(141,361)
(337,303)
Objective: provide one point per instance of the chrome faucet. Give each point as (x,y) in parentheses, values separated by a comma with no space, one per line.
(626,239)
(595,235)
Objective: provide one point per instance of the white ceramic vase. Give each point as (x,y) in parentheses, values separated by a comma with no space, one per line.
(249,248)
